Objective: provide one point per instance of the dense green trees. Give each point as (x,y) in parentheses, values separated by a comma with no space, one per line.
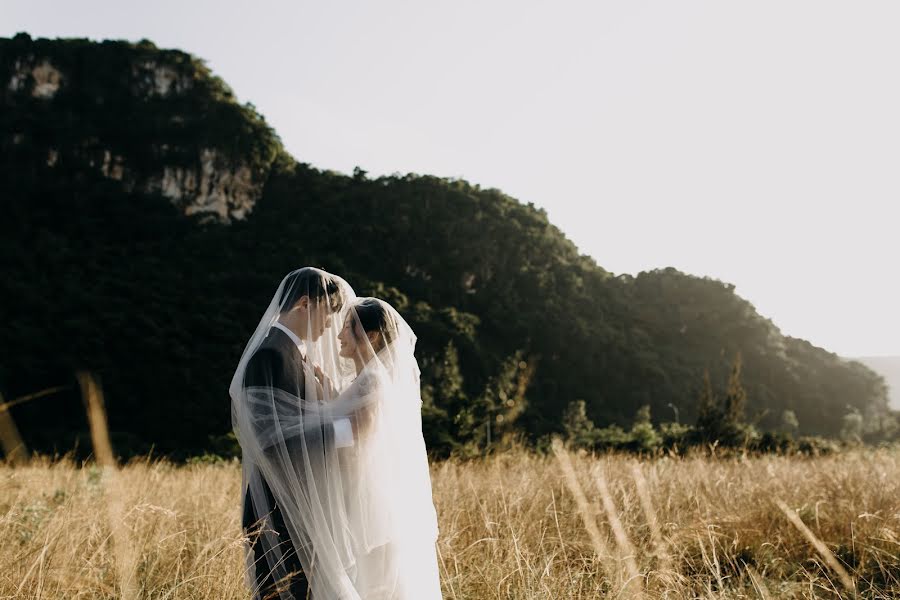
(513,324)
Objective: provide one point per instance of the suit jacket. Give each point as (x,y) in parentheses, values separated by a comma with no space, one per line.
(278,364)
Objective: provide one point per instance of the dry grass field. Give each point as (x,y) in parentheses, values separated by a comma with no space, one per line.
(516,525)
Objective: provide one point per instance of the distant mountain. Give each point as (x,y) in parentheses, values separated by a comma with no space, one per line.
(889,368)
(148,218)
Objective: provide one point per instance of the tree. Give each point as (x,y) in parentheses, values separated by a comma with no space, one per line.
(444,402)
(852,428)
(736,397)
(644,437)
(503,400)
(579,429)
(789,422)
(709,416)
(493,276)
(722,420)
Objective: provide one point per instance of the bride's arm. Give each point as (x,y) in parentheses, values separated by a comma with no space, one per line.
(358,403)
(342,427)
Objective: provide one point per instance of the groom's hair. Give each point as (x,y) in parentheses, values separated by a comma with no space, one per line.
(318,285)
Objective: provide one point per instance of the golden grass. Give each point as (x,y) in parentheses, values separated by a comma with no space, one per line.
(511,527)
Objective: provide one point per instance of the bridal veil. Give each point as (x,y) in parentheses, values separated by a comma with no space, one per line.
(332,434)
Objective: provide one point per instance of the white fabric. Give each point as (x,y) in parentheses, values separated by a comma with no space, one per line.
(343,433)
(360,519)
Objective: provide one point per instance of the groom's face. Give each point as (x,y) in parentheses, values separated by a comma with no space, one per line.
(320,319)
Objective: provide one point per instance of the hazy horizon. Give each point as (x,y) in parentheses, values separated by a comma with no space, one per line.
(755,144)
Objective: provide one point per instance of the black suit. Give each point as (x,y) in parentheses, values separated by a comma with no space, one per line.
(277,363)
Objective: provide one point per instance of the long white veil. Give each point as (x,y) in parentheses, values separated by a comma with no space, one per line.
(390,509)
(334,464)
(292,470)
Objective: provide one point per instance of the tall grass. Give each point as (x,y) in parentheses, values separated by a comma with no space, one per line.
(511,527)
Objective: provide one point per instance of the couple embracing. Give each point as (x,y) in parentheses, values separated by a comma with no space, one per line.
(336,490)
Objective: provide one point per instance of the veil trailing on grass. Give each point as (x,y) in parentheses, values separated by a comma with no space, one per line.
(334,466)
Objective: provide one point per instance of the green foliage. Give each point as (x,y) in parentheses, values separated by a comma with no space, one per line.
(676,436)
(852,429)
(580,431)
(721,420)
(644,437)
(775,442)
(442,396)
(784,443)
(710,413)
(816,446)
(789,422)
(513,323)
(888,429)
(611,438)
(736,396)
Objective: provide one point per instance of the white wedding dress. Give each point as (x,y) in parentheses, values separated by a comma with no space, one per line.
(389,503)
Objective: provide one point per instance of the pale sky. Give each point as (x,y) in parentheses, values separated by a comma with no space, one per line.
(755,142)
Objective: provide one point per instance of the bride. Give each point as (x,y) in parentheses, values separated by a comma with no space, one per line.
(336,477)
(389,507)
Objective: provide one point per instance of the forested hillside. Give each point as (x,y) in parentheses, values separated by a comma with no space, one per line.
(149,218)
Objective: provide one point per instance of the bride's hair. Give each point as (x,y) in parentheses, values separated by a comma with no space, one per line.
(373,316)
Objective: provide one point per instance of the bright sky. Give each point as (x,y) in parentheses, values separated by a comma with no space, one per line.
(755,142)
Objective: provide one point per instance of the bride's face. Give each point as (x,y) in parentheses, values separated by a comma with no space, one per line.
(356,343)
(347,338)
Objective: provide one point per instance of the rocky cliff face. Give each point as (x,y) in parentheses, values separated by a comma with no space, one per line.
(132,113)
(41,80)
(215,187)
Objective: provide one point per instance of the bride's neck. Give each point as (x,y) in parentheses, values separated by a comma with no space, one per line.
(361,360)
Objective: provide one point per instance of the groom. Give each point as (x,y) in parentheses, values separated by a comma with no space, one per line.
(308,300)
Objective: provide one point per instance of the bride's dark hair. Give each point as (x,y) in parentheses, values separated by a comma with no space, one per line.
(373,316)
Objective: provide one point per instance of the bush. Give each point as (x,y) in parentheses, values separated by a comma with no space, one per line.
(676,436)
(816,446)
(776,442)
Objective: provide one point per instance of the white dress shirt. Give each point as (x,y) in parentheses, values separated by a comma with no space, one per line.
(343,431)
